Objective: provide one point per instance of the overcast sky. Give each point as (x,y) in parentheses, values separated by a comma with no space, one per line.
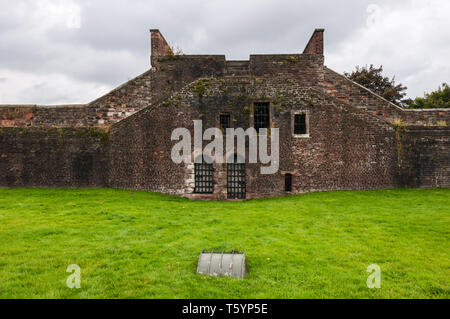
(72,51)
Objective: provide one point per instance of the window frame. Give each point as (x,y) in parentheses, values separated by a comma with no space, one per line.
(220,124)
(269,104)
(307,127)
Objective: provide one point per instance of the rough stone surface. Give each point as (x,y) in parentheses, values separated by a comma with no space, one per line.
(53,157)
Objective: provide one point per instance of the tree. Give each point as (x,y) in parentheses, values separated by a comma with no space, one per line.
(372,78)
(436,99)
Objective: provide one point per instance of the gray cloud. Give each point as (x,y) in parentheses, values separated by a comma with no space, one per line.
(76,50)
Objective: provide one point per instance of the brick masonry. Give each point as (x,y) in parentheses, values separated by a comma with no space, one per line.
(357,140)
(53,157)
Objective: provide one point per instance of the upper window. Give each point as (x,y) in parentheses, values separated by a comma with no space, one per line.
(225,121)
(261,116)
(300,124)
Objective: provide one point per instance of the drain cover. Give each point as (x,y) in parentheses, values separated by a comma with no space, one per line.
(222,264)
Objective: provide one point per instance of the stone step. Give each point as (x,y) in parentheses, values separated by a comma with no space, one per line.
(243,65)
(237,67)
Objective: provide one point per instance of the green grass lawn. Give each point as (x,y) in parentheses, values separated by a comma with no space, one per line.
(145,245)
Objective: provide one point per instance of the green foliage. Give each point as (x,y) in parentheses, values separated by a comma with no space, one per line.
(24,131)
(200,87)
(146,245)
(247,111)
(400,130)
(101,134)
(174,53)
(399,124)
(373,79)
(436,99)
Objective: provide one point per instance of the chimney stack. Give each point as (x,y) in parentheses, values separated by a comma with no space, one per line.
(315,44)
(159,46)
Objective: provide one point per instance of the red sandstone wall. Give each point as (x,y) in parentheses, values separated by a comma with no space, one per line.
(348,148)
(51,157)
(424,154)
(352,144)
(350,92)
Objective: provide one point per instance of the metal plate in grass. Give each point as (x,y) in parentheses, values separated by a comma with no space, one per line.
(222,264)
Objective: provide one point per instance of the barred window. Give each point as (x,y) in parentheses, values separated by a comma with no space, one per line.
(204,183)
(300,124)
(261,116)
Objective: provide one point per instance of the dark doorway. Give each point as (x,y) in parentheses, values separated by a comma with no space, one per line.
(288,182)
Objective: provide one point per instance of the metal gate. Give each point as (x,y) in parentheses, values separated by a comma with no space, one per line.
(236,180)
(204,183)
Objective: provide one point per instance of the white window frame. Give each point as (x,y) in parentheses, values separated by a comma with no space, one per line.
(307,115)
